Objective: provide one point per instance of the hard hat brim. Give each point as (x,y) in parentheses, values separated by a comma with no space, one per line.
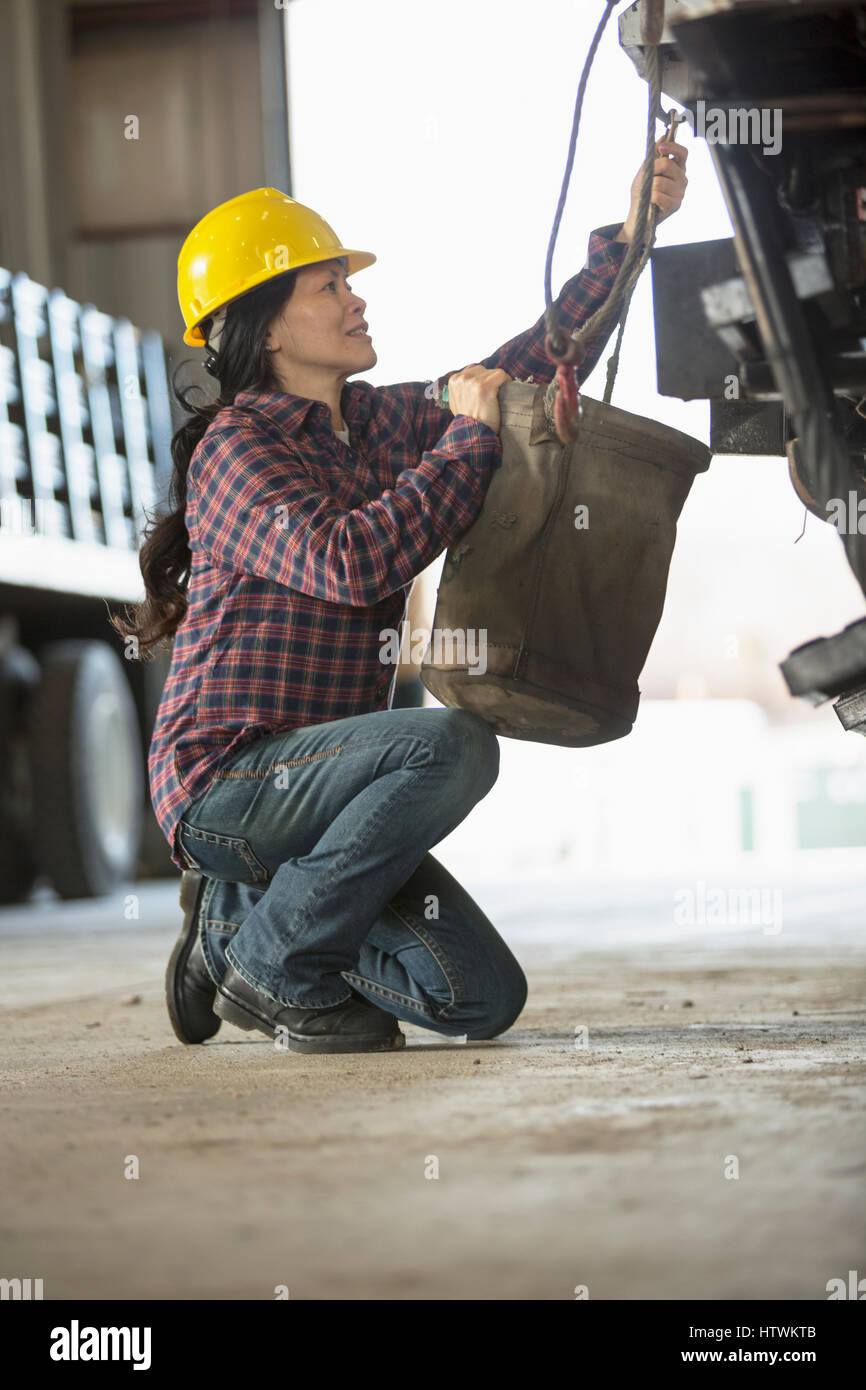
(357,260)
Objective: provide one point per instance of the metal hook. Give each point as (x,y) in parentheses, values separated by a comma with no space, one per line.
(672,119)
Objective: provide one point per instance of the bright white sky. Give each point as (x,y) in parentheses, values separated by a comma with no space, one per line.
(436,137)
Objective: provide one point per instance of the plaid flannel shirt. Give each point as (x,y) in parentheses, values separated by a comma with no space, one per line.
(304,549)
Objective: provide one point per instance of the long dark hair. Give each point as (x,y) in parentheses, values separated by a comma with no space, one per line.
(242,364)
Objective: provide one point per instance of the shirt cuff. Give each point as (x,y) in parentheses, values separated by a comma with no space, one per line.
(473,441)
(603,250)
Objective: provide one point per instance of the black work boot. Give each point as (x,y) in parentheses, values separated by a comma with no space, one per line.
(353,1026)
(189,989)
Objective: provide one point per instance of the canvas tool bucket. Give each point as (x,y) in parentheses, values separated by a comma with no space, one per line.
(548,604)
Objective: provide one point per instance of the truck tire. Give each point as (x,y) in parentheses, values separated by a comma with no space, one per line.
(87,766)
(19,679)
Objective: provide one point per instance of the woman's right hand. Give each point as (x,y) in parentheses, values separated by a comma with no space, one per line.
(475,392)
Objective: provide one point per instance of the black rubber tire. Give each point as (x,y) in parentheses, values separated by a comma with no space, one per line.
(19,679)
(88,770)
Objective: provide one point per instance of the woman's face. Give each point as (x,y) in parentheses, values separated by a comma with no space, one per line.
(314,327)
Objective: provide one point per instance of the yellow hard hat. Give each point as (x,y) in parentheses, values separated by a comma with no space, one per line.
(246,241)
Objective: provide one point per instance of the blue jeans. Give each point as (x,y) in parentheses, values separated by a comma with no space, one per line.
(316,842)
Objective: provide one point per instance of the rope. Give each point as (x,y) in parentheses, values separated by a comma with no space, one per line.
(553,327)
(613,360)
(561,399)
(641,243)
(565,407)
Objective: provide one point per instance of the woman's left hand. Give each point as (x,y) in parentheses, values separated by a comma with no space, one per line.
(669,185)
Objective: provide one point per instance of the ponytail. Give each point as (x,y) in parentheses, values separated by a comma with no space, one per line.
(242,364)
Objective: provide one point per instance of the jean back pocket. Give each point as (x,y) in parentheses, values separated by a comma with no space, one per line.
(225,857)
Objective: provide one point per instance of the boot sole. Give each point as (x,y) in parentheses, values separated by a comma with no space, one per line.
(229,1008)
(190,892)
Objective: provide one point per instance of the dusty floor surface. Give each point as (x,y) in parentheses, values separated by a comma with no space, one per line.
(558,1165)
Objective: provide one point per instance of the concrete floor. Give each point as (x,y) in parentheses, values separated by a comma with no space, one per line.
(607,1166)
